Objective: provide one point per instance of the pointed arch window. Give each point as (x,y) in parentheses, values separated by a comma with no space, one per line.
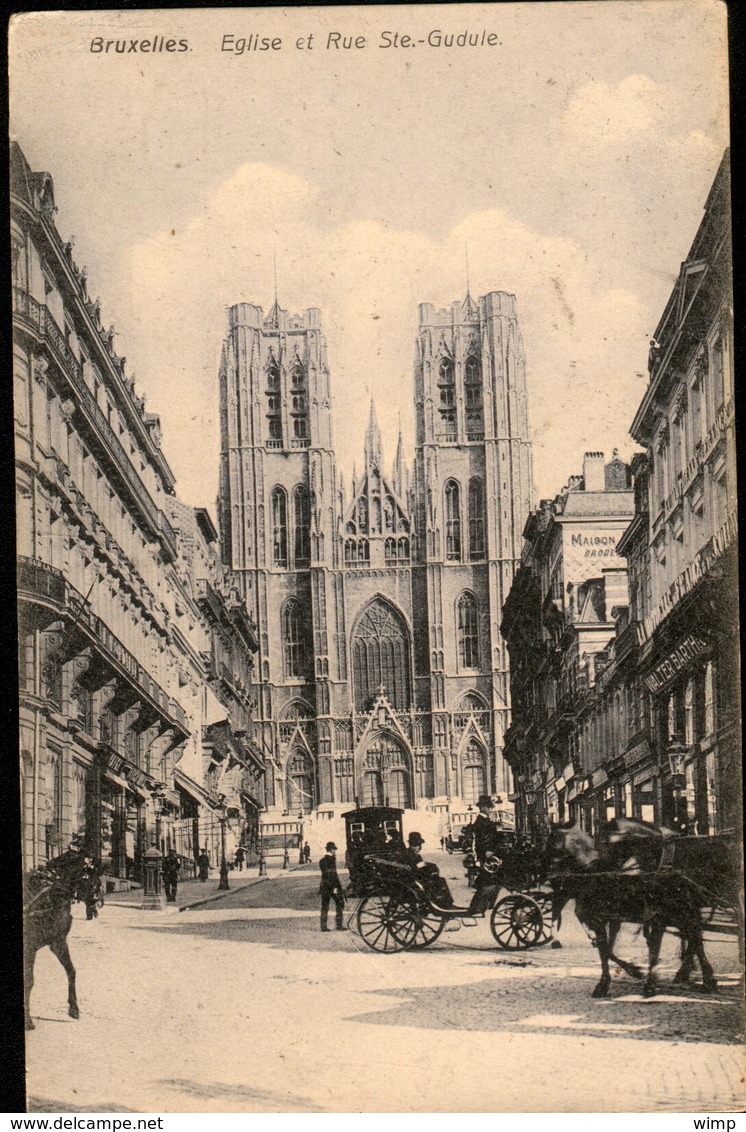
(381,657)
(279,527)
(476,520)
(473,398)
(274,417)
(293,640)
(298,400)
(453,521)
(302,513)
(447,397)
(467,625)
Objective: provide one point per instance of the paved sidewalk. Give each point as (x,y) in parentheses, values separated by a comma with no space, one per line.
(194,893)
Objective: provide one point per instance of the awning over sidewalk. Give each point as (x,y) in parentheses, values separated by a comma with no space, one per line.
(194,789)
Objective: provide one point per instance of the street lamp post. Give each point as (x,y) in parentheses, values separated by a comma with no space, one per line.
(223,883)
(286,856)
(262,858)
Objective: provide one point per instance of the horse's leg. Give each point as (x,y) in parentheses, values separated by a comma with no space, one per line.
(29,955)
(557,906)
(655,939)
(687,960)
(61,950)
(697,946)
(601,988)
(630,969)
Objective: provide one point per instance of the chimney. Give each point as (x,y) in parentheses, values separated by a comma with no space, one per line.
(593,471)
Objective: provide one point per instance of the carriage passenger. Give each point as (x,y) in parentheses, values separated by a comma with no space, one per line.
(427,873)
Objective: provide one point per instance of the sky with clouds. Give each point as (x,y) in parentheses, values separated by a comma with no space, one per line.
(572,159)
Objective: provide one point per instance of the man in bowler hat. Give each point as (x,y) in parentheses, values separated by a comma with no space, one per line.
(428,873)
(331,887)
(483,829)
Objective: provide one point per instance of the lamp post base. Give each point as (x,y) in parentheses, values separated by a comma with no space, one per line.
(286,860)
(152,903)
(262,866)
(223,878)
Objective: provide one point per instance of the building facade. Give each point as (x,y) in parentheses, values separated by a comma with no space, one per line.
(681,545)
(557,620)
(381,672)
(648,725)
(112,643)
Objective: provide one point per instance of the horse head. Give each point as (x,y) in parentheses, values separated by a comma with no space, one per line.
(570,847)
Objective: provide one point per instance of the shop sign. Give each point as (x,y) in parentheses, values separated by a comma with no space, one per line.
(644,778)
(600,777)
(594,545)
(568,772)
(636,754)
(559,784)
(689,649)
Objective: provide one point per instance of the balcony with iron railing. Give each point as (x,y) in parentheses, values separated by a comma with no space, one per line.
(39,582)
(40,320)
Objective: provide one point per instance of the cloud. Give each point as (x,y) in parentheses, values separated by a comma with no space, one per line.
(600,116)
(582,342)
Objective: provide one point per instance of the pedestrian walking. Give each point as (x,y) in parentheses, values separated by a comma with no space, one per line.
(307,853)
(239,858)
(331,887)
(203,865)
(170,874)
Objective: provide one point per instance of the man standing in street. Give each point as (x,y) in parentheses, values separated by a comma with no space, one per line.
(483,829)
(331,887)
(170,874)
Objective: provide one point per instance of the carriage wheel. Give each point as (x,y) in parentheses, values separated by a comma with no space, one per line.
(387,923)
(429,927)
(517,923)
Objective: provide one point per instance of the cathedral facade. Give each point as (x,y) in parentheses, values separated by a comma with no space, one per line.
(381,673)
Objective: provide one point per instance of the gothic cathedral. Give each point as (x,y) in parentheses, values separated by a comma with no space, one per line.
(381,673)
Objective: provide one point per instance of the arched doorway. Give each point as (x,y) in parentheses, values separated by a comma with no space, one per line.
(386,774)
(381,657)
(474,772)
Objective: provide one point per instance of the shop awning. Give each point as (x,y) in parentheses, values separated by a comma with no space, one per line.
(194,789)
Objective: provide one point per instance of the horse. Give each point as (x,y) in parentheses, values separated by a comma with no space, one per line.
(606,896)
(49,893)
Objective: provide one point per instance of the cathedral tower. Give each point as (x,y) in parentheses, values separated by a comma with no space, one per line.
(473,493)
(277,518)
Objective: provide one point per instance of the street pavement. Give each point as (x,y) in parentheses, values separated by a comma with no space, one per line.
(242,1005)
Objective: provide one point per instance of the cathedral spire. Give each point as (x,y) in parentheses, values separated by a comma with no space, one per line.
(273,318)
(397,476)
(373,444)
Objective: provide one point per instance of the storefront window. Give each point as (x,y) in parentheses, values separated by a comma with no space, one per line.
(609,803)
(689,736)
(628,808)
(710,776)
(709,700)
(79,798)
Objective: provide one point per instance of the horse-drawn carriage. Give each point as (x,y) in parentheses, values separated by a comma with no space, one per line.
(398,909)
(638,874)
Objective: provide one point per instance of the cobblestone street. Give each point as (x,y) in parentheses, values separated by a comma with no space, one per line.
(242,1005)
